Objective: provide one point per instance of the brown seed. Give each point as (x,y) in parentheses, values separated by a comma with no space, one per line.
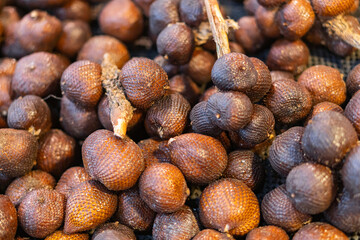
(74,35)
(328,8)
(60,235)
(167,117)
(267,233)
(245,166)
(18,152)
(74,10)
(311,187)
(323,107)
(251,6)
(186,87)
(133,211)
(20,187)
(234,71)
(144,5)
(70,179)
(249,35)
(353,80)
(38,31)
(350,172)
(96,47)
(38,74)
(210,234)
(169,68)
(229,110)
(319,231)
(271,3)
(192,12)
(285,152)
(208,93)
(163,187)
(321,141)
(202,159)
(113,231)
(200,122)
(41,212)
(30,113)
(181,224)
(31,4)
(238,215)
(144,82)
(277,75)
(153,151)
(295,19)
(56,152)
(277,209)
(352,111)
(9,222)
(288,101)
(76,121)
(290,56)
(116,163)
(236,48)
(88,205)
(266,21)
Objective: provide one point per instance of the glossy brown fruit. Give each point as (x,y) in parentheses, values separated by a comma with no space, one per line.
(186,87)
(267,233)
(327,8)
(74,10)
(144,82)
(234,71)
(271,3)
(324,83)
(181,224)
(20,187)
(277,209)
(266,21)
(56,152)
(319,231)
(154,151)
(60,235)
(245,166)
(113,231)
(288,101)
(277,75)
(352,111)
(249,35)
(169,68)
(353,80)
(238,215)
(285,152)
(18,152)
(70,179)
(9,222)
(321,141)
(163,187)
(88,205)
(350,171)
(38,74)
(210,234)
(32,4)
(168,116)
(192,12)
(200,122)
(323,107)
(41,212)
(311,187)
(120,167)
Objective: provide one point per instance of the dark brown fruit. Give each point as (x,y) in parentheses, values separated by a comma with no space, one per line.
(38,31)
(96,47)
(56,152)
(236,48)
(328,8)
(352,111)
(323,107)
(32,4)
(229,110)
(60,235)
(295,19)
(249,35)
(38,74)
(186,87)
(74,10)
(154,151)
(3,123)
(338,46)
(350,172)
(122,19)
(271,3)
(265,19)
(163,188)
(176,42)
(20,187)
(70,179)
(181,224)
(81,83)
(133,211)
(321,141)
(251,6)
(238,215)
(144,82)
(288,101)
(267,233)
(113,231)
(74,35)
(311,187)
(89,205)
(353,80)
(277,75)
(76,121)
(245,166)
(277,209)
(208,93)
(192,12)
(9,222)
(319,231)
(200,122)
(169,68)
(210,234)
(41,212)
(18,151)
(167,117)
(234,71)
(30,113)
(324,83)
(290,56)
(144,5)
(285,152)
(117,163)
(202,159)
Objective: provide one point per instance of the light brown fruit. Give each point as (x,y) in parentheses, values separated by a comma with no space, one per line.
(323,107)
(70,179)
(327,8)
(9,222)
(60,235)
(210,234)
(267,233)
(319,231)
(74,10)
(113,231)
